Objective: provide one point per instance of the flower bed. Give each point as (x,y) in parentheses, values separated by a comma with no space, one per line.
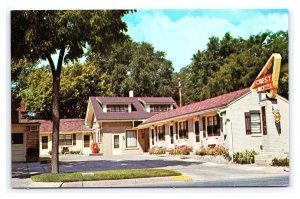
(180,150)
(218,150)
(157,150)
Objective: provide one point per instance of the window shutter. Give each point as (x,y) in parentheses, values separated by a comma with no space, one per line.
(263,112)
(176,132)
(163,135)
(218,125)
(203,127)
(156,133)
(248,123)
(187,129)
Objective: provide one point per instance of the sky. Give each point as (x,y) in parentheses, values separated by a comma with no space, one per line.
(181,33)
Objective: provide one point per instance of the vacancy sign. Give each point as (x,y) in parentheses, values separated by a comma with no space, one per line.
(264,83)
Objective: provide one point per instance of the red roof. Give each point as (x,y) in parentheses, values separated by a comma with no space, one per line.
(158,100)
(66,125)
(139,112)
(207,104)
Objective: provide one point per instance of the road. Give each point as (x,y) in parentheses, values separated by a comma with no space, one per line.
(249,182)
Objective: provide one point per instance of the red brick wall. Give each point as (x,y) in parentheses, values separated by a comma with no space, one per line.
(116,127)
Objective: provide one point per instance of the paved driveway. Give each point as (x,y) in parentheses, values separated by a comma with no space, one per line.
(194,169)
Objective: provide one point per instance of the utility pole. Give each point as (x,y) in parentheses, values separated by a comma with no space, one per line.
(179,86)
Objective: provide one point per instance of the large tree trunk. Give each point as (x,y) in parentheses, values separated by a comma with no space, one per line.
(55,119)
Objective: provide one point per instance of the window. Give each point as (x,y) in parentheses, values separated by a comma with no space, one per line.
(117,108)
(172,134)
(86,140)
(197,132)
(161,133)
(131,139)
(116,141)
(252,122)
(65,139)
(152,136)
(17,138)
(183,129)
(44,142)
(159,108)
(213,125)
(74,139)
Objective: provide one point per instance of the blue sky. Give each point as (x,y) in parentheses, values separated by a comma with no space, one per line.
(180,33)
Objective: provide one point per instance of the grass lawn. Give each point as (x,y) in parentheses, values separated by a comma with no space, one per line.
(103,175)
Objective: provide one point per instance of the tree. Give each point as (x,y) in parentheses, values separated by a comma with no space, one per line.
(233,63)
(136,66)
(40,34)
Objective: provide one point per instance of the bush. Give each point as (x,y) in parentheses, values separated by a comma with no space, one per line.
(181,150)
(280,162)
(246,157)
(75,152)
(218,150)
(157,150)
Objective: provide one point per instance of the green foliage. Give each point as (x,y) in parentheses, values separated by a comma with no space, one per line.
(280,162)
(104,175)
(136,66)
(230,64)
(78,82)
(246,157)
(157,150)
(214,151)
(181,150)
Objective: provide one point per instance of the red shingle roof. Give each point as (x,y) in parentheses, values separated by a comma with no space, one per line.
(66,125)
(207,104)
(139,112)
(157,100)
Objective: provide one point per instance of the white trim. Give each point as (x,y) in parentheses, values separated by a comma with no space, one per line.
(180,117)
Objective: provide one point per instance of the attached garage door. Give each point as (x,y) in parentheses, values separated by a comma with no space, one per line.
(18,147)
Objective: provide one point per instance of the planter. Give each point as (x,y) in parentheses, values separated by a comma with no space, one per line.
(215,159)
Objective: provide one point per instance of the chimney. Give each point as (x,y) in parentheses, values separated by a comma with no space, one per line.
(22,113)
(131,93)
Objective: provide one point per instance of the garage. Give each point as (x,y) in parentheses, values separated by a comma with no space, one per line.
(25,142)
(18,147)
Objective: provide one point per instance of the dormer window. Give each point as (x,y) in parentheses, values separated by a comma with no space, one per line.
(117,108)
(159,108)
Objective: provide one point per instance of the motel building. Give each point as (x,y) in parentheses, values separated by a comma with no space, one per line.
(240,120)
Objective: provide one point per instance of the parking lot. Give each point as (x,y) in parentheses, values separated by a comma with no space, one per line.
(189,166)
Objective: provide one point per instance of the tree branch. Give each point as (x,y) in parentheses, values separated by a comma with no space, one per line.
(60,59)
(51,64)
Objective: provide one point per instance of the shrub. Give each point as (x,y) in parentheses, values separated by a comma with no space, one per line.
(75,152)
(50,152)
(181,150)
(157,150)
(280,162)
(214,151)
(246,157)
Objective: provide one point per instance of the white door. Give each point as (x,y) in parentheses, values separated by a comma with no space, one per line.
(116,144)
(18,147)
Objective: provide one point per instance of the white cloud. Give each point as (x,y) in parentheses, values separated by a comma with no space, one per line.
(182,38)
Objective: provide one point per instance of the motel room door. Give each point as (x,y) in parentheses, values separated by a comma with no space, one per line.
(116,144)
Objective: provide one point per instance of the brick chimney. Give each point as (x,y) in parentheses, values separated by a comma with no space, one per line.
(22,113)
